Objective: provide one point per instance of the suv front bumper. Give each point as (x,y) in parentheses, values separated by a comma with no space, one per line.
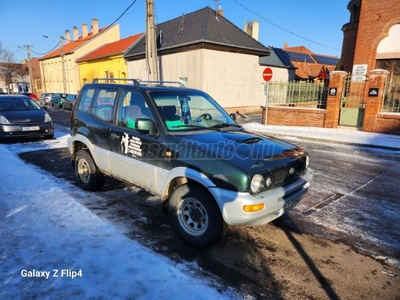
(276,202)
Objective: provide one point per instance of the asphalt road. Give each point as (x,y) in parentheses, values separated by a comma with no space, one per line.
(353,202)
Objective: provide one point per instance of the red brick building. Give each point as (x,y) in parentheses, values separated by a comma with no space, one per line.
(372,36)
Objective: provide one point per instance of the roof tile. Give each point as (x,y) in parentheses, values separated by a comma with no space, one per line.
(118,47)
(203,26)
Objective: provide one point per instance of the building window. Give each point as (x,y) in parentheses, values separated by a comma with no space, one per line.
(391,65)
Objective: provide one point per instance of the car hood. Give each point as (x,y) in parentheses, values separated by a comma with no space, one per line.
(248,151)
(232,156)
(24,116)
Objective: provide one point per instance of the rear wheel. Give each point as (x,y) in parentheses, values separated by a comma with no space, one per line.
(195,216)
(88,175)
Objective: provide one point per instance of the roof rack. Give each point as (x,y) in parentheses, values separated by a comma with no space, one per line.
(136,81)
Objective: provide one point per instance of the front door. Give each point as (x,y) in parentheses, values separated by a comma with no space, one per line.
(135,156)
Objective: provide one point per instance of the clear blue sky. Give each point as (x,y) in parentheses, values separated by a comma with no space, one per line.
(314,24)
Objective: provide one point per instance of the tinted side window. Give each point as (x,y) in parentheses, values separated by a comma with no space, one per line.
(103,104)
(86,99)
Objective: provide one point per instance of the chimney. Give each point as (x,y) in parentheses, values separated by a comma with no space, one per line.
(285,45)
(95,26)
(220,11)
(84,30)
(255,29)
(252,29)
(67,36)
(247,28)
(75,33)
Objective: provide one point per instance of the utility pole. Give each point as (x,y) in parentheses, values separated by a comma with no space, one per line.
(151,45)
(28,54)
(62,64)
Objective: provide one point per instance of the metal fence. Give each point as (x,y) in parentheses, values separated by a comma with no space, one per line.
(308,94)
(391,100)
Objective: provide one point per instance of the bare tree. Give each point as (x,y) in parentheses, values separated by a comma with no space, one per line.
(9,69)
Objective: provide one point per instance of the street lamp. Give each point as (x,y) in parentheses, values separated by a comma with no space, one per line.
(62,56)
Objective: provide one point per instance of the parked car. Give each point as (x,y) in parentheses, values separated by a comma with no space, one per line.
(45,98)
(32,96)
(22,117)
(69,101)
(56,98)
(180,144)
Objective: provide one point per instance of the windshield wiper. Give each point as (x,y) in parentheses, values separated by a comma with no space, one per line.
(221,125)
(188,126)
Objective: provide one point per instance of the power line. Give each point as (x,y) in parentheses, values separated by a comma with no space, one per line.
(116,20)
(282,28)
(55,47)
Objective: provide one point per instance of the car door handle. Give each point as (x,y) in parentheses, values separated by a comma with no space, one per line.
(114,136)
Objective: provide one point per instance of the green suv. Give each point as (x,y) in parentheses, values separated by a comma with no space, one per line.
(178,143)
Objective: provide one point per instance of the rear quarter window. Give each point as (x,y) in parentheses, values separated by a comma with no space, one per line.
(86,99)
(103,106)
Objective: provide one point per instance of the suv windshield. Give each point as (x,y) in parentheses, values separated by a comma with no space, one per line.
(186,110)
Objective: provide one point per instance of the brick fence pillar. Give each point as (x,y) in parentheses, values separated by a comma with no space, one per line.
(335,90)
(375,87)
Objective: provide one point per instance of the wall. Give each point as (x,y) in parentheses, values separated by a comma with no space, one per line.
(291,116)
(98,68)
(52,76)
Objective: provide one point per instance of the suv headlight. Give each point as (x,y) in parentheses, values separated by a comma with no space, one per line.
(257,184)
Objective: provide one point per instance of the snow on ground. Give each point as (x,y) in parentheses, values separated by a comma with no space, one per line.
(53,247)
(341,135)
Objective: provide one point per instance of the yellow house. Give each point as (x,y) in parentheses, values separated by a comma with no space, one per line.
(59,70)
(106,61)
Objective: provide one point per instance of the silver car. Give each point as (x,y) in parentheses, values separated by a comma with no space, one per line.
(69,101)
(45,98)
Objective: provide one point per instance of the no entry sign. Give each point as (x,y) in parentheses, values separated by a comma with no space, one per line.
(267,74)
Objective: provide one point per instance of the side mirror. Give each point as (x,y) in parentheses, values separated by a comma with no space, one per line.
(146,125)
(233,116)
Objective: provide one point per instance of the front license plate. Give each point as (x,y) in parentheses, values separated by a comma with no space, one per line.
(290,204)
(30,128)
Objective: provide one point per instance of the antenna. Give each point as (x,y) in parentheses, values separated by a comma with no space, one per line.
(218,10)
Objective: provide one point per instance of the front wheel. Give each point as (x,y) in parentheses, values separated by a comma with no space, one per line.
(195,216)
(88,175)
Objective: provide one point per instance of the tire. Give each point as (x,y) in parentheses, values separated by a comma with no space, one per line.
(88,176)
(195,216)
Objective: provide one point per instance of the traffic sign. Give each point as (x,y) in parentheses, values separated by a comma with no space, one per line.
(267,74)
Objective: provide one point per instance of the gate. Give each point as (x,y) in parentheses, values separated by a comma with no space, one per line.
(352,106)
